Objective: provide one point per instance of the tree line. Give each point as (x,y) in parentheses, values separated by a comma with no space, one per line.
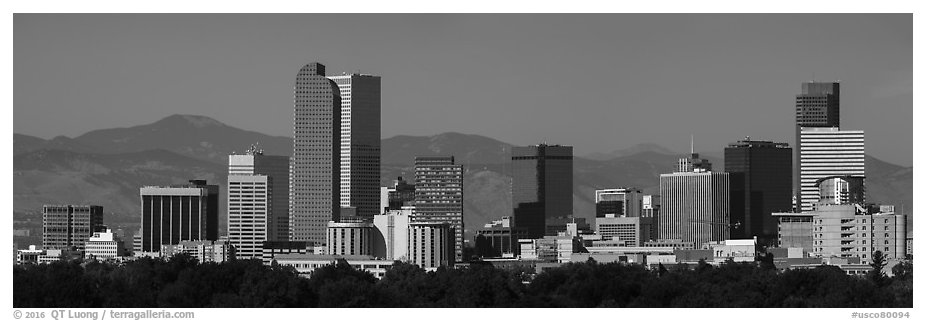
(182,282)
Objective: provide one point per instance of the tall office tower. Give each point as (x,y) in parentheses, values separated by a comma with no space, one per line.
(825,152)
(760,184)
(619,202)
(66,226)
(816,106)
(360,142)
(695,204)
(430,244)
(314,175)
(439,195)
(541,186)
(258,192)
(170,214)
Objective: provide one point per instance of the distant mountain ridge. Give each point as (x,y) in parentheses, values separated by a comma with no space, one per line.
(109,165)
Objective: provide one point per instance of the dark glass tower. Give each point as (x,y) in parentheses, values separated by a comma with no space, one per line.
(171,214)
(760,184)
(541,186)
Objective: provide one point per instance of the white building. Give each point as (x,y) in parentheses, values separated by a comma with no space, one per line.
(390,234)
(103,246)
(824,152)
(305,264)
(695,203)
(258,201)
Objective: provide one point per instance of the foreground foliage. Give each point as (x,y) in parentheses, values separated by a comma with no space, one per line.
(183,283)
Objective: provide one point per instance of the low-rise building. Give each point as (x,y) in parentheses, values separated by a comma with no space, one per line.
(305,264)
(203,251)
(270,249)
(104,246)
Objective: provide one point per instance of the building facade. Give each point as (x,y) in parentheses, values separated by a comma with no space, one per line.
(258,199)
(695,204)
(69,226)
(854,231)
(171,214)
(314,192)
(349,238)
(390,234)
(795,230)
(397,196)
(760,184)
(439,195)
(499,239)
(633,231)
(359,142)
(104,246)
(618,202)
(305,264)
(541,186)
(825,152)
(431,245)
(817,105)
(203,251)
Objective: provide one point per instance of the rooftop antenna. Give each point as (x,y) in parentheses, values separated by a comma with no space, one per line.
(692,144)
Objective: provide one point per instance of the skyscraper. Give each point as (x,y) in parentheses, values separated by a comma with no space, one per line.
(816,106)
(258,197)
(826,152)
(695,203)
(170,214)
(315,168)
(360,142)
(67,226)
(760,184)
(439,195)
(541,186)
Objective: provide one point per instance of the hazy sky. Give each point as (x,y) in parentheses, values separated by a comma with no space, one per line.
(599,82)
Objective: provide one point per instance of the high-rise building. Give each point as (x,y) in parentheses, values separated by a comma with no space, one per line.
(620,202)
(315,169)
(760,184)
(430,245)
(69,226)
(360,142)
(541,186)
(838,190)
(439,195)
(825,152)
(258,192)
(695,203)
(170,214)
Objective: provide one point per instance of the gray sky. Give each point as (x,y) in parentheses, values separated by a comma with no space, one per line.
(599,82)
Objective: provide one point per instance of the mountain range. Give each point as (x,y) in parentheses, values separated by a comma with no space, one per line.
(107,167)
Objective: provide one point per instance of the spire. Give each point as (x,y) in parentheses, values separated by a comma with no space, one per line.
(692,143)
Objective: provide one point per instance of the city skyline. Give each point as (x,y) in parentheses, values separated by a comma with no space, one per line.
(726,74)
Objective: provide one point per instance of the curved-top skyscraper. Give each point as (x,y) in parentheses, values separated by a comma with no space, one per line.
(314,172)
